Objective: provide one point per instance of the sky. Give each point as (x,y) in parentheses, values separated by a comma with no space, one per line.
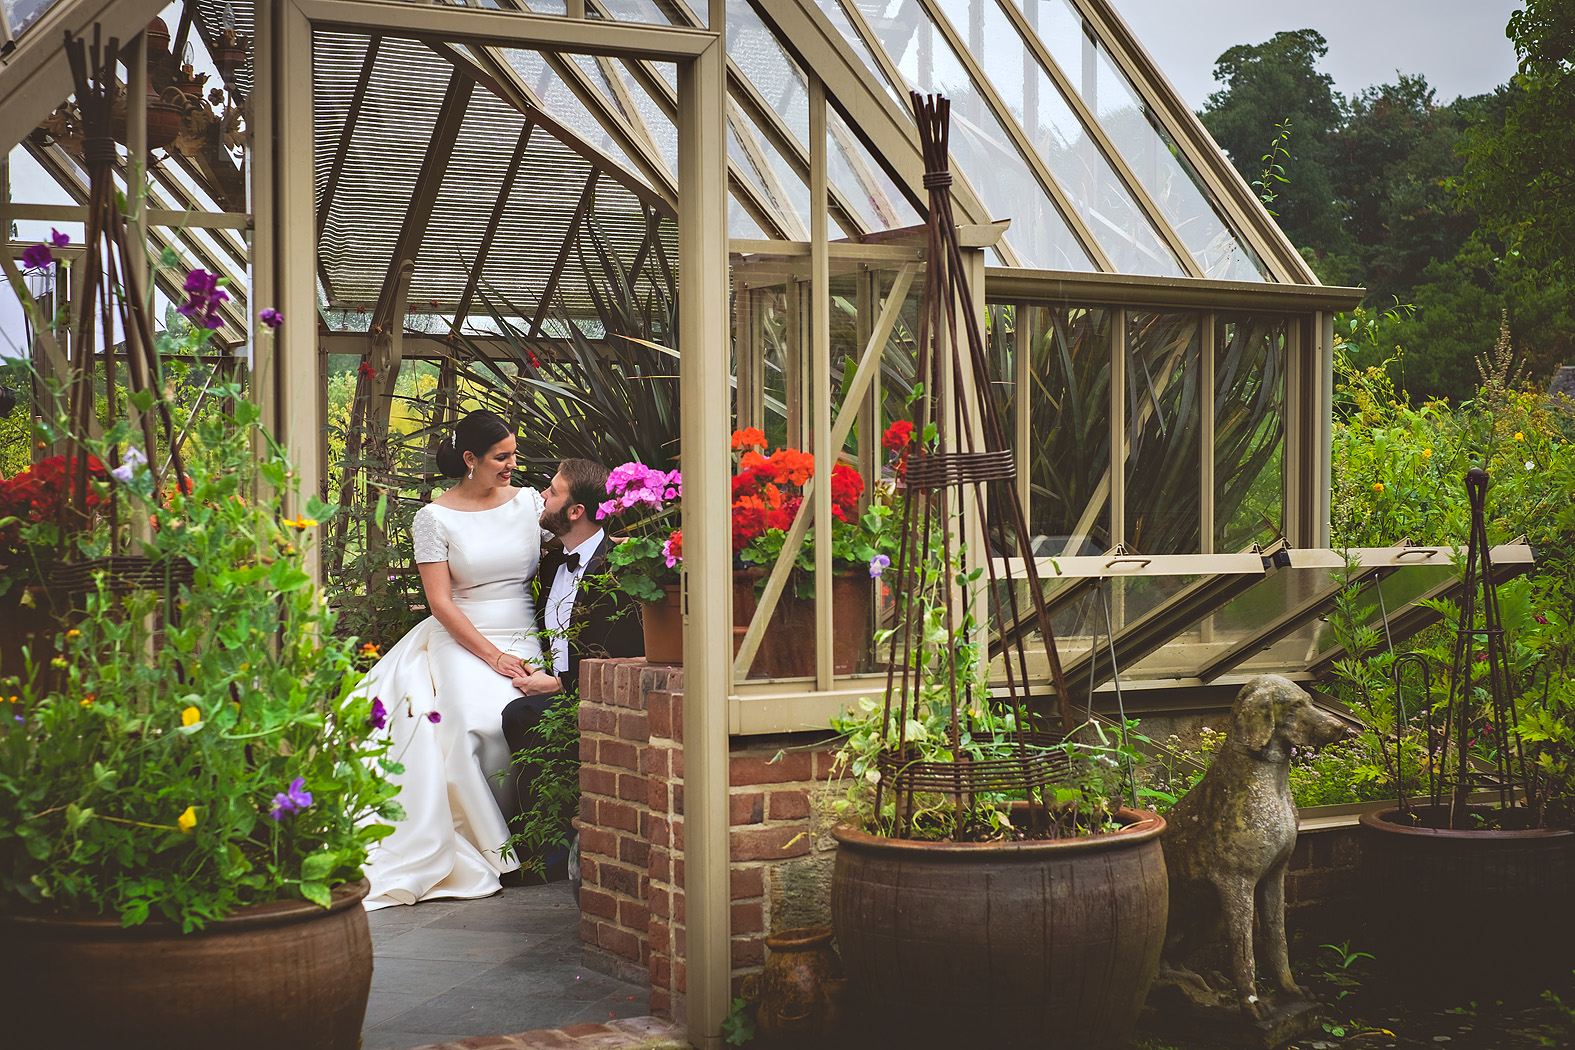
(1459,45)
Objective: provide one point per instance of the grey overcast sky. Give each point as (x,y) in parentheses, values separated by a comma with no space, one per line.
(1459,45)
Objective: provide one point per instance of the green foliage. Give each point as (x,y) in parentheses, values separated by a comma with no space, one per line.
(1521,176)
(550,774)
(1271,84)
(947,674)
(1273,168)
(738,1027)
(139,768)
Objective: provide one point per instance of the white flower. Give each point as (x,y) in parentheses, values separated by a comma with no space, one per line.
(1530,465)
(128,464)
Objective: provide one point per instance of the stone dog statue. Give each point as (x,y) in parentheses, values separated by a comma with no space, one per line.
(1228,841)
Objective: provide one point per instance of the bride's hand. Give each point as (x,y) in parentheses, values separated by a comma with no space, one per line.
(509,666)
(538,683)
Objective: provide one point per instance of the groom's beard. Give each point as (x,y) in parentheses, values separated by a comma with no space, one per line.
(556,523)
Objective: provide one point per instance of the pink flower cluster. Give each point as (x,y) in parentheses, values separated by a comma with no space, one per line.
(635,484)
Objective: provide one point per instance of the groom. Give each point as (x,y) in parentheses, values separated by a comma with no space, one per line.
(575,622)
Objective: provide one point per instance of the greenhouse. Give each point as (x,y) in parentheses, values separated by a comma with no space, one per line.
(635,227)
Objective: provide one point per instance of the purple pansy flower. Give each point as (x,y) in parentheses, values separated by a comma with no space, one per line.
(379,717)
(37,257)
(879,564)
(292,801)
(203,296)
(58,239)
(271,317)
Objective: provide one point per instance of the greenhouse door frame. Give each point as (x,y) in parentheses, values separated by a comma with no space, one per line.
(284,269)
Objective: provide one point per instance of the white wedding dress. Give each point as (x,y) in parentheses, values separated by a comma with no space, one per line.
(448,843)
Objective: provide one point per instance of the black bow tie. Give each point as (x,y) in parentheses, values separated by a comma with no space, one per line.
(572,561)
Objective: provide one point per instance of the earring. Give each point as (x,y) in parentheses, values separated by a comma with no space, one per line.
(471,476)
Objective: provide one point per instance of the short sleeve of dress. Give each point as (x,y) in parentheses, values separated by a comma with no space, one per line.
(537,506)
(429,537)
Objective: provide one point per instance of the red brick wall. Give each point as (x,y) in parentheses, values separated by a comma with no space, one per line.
(632,832)
(632,838)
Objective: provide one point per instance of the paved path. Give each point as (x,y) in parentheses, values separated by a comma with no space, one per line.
(449,970)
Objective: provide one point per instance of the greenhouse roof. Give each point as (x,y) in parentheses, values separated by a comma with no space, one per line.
(1061,125)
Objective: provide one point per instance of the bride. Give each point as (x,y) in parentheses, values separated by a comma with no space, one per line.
(445,684)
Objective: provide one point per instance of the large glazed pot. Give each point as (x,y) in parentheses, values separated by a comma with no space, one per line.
(1041,944)
(1468,910)
(287,974)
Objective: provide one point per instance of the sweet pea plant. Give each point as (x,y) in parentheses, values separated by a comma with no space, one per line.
(194,746)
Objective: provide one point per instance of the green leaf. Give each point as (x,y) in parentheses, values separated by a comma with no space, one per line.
(317,892)
(381,512)
(318,866)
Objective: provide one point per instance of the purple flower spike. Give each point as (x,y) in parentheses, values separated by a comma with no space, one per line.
(292,801)
(203,296)
(379,717)
(37,257)
(434,717)
(271,317)
(58,239)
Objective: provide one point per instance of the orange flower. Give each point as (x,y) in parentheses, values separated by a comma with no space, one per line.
(749,437)
(751,460)
(793,466)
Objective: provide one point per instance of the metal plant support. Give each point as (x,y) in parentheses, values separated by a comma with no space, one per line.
(1466,718)
(966,467)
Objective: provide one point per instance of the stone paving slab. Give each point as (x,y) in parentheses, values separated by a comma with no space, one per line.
(630,1033)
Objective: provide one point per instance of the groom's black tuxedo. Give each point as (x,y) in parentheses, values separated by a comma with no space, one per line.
(602,625)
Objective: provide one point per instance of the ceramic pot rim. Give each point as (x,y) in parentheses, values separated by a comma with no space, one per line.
(1380,821)
(275,913)
(1142,826)
(799,938)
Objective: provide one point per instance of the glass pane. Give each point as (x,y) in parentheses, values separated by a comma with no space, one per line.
(1163,458)
(1103,203)
(1249,430)
(839,18)
(19,14)
(1068,403)
(560,103)
(1152,156)
(980,146)
(869,191)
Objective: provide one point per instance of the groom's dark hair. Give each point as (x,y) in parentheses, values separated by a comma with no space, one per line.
(587,483)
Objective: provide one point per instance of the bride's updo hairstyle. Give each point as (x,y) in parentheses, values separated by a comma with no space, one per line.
(476,433)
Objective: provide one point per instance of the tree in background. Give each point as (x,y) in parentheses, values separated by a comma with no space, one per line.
(1267,84)
(1520,174)
(1386,191)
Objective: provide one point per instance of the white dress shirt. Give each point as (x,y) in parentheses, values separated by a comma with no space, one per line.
(560,601)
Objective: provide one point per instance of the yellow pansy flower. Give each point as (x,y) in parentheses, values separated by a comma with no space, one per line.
(73,633)
(190,716)
(1519,436)
(302,523)
(1378,486)
(1427,453)
(187,820)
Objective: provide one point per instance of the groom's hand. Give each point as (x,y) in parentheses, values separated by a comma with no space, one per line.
(538,683)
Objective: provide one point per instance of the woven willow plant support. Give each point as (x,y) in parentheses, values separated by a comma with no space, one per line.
(966,470)
(111,287)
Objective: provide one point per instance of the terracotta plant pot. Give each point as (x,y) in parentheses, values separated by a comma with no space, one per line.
(287,974)
(798,996)
(788,648)
(663,623)
(1474,910)
(1043,944)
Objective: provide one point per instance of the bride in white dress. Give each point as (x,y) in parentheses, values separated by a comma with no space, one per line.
(445,684)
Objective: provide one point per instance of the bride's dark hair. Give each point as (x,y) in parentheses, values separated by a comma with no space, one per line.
(476,433)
